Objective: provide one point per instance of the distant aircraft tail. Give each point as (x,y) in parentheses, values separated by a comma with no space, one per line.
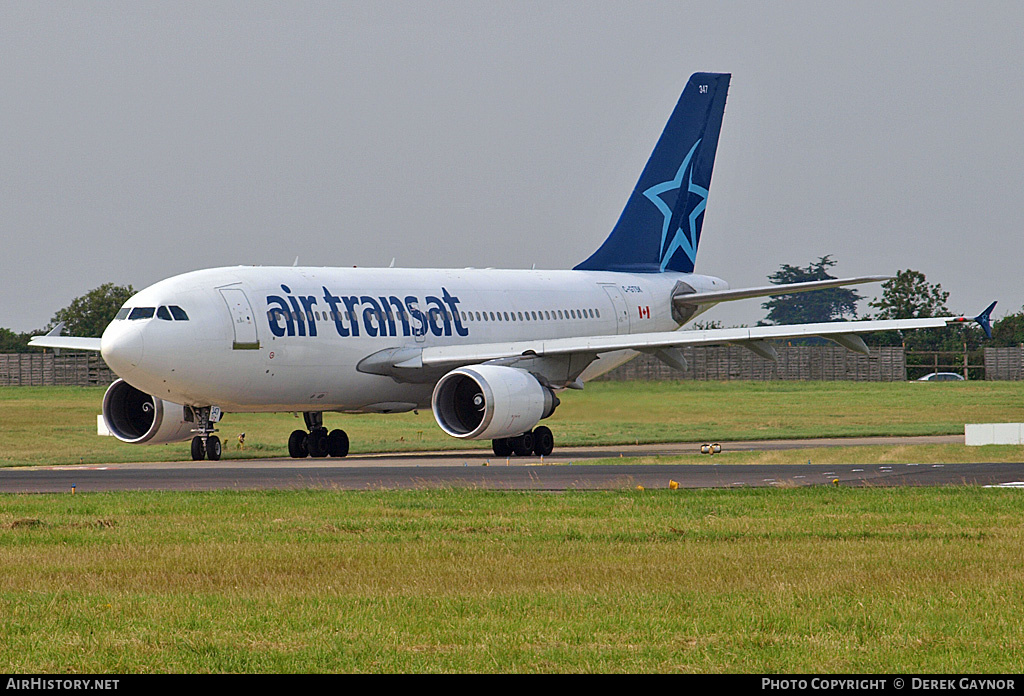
(659,229)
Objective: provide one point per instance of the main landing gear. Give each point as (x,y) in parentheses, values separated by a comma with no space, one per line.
(205,445)
(538,441)
(317,442)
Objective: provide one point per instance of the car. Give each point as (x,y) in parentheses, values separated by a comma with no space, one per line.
(941,377)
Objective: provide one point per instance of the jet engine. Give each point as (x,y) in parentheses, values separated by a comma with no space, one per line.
(490,401)
(134,416)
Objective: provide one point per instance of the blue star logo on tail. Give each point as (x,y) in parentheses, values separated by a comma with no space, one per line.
(685,239)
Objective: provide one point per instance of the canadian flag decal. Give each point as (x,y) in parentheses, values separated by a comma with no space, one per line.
(645,312)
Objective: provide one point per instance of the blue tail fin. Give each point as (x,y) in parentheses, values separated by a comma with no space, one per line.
(985,320)
(660,227)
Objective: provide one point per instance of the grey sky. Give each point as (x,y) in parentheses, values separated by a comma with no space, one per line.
(141,140)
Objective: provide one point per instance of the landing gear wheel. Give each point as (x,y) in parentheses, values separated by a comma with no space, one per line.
(543,441)
(316,442)
(522,445)
(198,449)
(502,446)
(337,443)
(213,448)
(297,444)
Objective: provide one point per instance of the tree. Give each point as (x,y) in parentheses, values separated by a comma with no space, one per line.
(910,296)
(1009,331)
(11,342)
(833,304)
(89,314)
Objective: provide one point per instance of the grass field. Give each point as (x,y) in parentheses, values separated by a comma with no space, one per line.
(854,454)
(800,580)
(808,579)
(54,425)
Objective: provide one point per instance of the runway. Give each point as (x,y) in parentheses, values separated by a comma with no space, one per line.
(564,470)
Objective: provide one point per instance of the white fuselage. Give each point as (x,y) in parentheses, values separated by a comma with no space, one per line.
(290,339)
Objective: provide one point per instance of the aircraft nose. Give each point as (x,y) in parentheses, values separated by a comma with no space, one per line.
(122,349)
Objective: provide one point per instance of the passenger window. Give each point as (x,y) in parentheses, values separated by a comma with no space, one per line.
(163,313)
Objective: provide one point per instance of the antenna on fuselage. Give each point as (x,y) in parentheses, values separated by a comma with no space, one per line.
(296,261)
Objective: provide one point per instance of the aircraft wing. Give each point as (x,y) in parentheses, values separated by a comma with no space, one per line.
(70,342)
(56,341)
(844,333)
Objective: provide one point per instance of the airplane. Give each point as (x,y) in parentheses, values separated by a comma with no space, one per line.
(487,350)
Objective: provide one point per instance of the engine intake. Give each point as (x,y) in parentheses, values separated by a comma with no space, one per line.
(490,401)
(133,416)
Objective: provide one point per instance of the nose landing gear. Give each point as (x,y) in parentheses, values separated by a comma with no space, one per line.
(317,442)
(205,445)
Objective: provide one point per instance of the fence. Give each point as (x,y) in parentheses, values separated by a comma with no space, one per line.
(46,369)
(829,363)
(703,363)
(1004,363)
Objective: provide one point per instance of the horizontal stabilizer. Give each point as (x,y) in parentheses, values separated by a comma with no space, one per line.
(713,296)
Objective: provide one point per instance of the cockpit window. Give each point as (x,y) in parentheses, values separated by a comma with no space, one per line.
(141,313)
(168,313)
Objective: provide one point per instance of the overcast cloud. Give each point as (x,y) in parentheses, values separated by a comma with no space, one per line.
(141,140)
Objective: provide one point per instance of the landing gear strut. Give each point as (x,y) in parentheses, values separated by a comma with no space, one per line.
(538,441)
(317,442)
(205,445)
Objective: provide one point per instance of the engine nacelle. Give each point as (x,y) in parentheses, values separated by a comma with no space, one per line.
(490,402)
(134,416)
